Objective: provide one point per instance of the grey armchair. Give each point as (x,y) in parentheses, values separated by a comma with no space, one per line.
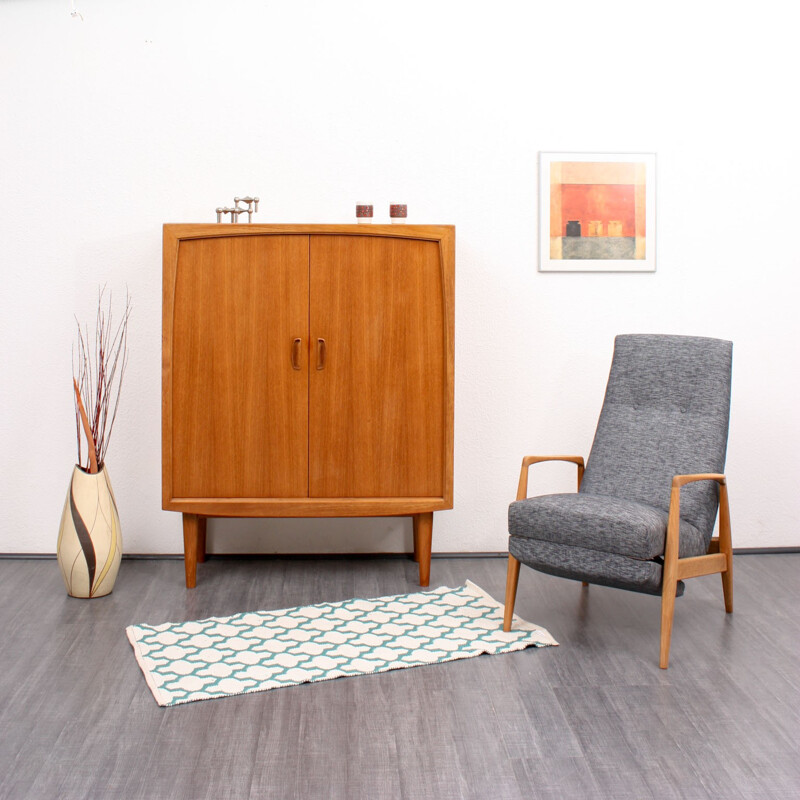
(644,512)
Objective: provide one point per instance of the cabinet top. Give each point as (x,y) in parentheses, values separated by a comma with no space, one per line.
(213,229)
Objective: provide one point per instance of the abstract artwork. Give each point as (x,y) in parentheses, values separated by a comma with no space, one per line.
(597,212)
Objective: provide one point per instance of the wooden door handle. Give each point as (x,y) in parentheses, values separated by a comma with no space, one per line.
(296,345)
(322,350)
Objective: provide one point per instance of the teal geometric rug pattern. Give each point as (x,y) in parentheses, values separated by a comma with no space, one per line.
(260,650)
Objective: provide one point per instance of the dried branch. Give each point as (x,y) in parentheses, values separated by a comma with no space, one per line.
(87,430)
(97,377)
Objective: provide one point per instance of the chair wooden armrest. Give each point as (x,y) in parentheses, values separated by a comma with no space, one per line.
(682,480)
(522,489)
(719,557)
(522,493)
(717,548)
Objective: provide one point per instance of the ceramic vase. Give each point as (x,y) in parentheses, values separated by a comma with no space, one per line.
(89,539)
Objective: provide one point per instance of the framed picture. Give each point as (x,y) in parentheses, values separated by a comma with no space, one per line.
(597,212)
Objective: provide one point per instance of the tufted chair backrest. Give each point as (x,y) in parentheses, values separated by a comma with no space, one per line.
(665,413)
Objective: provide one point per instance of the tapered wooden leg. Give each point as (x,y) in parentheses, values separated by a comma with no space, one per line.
(512,579)
(423,538)
(415,524)
(669,581)
(727,585)
(726,547)
(191,537)
(201,539)
(667,613)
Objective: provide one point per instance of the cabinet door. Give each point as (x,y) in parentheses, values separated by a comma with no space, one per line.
(377,384)
(239,404)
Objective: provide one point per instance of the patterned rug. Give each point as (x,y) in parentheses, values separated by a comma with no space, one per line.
(260,650)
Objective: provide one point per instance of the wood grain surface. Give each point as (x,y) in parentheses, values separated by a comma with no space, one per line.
(377,407)
(594,717)
(307,370)
(239,409)
(374,310)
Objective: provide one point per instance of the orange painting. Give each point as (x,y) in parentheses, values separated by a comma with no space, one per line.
(600,203)
(598,210)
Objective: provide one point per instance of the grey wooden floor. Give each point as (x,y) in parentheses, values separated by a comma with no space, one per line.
(594,717)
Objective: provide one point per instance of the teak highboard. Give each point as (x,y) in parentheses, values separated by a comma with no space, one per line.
(307,371)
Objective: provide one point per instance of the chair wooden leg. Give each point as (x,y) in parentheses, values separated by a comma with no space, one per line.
(667,613)
(512,580)
(727,586)
(669,581)
(726,547)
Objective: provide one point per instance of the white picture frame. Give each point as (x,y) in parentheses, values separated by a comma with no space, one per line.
(597,212)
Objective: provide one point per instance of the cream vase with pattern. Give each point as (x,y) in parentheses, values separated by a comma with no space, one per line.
(89,539)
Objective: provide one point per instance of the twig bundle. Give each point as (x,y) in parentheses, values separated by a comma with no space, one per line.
(97,378)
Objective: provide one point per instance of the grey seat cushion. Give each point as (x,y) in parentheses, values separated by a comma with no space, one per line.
(600,523)
(592,566)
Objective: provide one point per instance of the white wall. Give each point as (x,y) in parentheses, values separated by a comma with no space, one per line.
(149,112)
